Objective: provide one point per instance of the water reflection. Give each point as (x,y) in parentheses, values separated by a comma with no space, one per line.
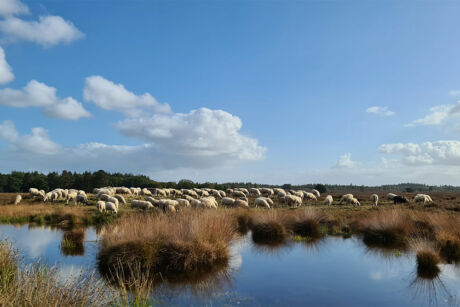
(328,272)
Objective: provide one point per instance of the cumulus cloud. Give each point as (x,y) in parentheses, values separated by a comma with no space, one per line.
(110,96)
(37,151)
(6,73)
(202,132)
(47,31)
(37,94)
(437,115)
(383,111)
(345,161)
(436,153)
(36,142)
(12,7)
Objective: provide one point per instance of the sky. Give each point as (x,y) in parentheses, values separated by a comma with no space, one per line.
(338,92)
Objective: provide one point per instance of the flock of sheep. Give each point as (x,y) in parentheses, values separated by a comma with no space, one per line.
(171,200)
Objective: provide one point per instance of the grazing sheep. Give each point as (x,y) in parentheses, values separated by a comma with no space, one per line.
(268,200)
(400,200)
(113,208)
(391,196)
(209,202)
(153,201)
(113,200)
(316,193)
(103,196)
(18,199)
(254,192)
(195,203)
(183,203)
(187,197)
(261,202)
(328,200)
(293,201)
(239,194)
(146,192)
(123,190)
(72,196)
(241,203)
(227,201)
(121,199)
(101,206)
(422,198)
(266,192)
(308,195)
(354,201)
(191,193)
(141,204)
(81,198)
(374,199)
(346,198)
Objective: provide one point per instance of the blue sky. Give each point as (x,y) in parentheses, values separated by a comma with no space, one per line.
(360,92)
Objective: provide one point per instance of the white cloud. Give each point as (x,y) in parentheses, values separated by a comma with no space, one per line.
(37,94)
(37,142)
(38,152)
(437,115)
(383,111)
(12,7)
(69,108)
(110,96)
(345,161)
(6,73)
(47,31)
(201,132)
(454,92)
(436,153)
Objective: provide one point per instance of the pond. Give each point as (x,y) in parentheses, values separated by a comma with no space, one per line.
(331,272)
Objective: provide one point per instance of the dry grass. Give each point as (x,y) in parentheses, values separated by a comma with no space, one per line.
(72,242)
(188,243)
(268,227)
(40,286)
(427,260)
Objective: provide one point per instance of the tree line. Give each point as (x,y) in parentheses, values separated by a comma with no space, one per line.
(21,182)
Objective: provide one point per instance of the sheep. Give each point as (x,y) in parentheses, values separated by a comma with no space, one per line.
(374,199)
(297,193)
(187,197)
(146,192)
(268,200)
(18,199)
(308,195)
(48,196)
(183,202)
(81,198)
(72,196)
(216,193)
(101,206)
(121,199)
(400,200)
(316,193)
(346,198)
(261,202)
(166,203)
(222,193)
(209,202)
(123,190)
(113,200)
(354,201)
(153,201)
(195,203)
(292,200)
(254,192)
(239,194)
(227,201)
(422,198)
(191,193)
(241,203)
(103,196)
(141,204)
(391,196)
(113,208)
(328,200)
(266,192)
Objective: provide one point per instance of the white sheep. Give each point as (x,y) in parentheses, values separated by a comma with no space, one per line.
(72,195)
(346,198)
(308,195)
(266,192)
(121,199)
(101,206)
(241,203)
(113,200)
(293,201)
(18,199)
(374,199)
(354,201)
(82,198)
(422,198)
(153,201)
(209,202)
(141,204)
(261,202)
(328,200)
(146,192)
(112,207)
(183,202)
(239,194)
(254,192)
(227,201)
(316,193)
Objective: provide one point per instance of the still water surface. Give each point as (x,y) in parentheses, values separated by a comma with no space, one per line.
(333,272)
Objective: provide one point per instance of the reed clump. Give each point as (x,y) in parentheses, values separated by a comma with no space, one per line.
(38,285)
(72,242)
(268,228)
(190,242)
(309,224)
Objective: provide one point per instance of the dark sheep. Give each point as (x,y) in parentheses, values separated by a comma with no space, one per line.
(400,200)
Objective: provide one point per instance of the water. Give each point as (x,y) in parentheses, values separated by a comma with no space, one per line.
(333,272)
